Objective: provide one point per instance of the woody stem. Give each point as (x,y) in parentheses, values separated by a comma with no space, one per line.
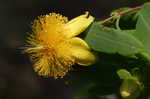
(120,14)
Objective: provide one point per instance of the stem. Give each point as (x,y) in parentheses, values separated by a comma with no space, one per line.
(117,23)
(120,14)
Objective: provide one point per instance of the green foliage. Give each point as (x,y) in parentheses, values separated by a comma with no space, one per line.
(112,41)
(143,28)
(124,56)
(124,74)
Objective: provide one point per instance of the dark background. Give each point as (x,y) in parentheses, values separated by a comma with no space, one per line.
(17,78)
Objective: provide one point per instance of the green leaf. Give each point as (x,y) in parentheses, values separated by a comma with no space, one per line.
(112,41)
(143,28)
(132,32)
(124,74)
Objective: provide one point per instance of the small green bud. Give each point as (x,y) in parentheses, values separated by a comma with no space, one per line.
(131,88)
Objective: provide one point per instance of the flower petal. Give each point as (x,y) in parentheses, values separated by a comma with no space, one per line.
(80,51)
(78,24)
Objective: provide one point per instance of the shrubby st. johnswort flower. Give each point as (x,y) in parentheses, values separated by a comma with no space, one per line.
(53,46)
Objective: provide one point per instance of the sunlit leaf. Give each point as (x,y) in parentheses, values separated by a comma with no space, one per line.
(112,41)
(143,28)
(124,74)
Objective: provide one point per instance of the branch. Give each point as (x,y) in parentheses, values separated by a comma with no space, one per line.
(120,14)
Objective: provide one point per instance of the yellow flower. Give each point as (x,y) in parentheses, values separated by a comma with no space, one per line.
(54,47)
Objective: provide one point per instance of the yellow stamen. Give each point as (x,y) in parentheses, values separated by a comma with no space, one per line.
(54,47)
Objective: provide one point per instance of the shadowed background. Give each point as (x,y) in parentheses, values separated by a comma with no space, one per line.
(17,78)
